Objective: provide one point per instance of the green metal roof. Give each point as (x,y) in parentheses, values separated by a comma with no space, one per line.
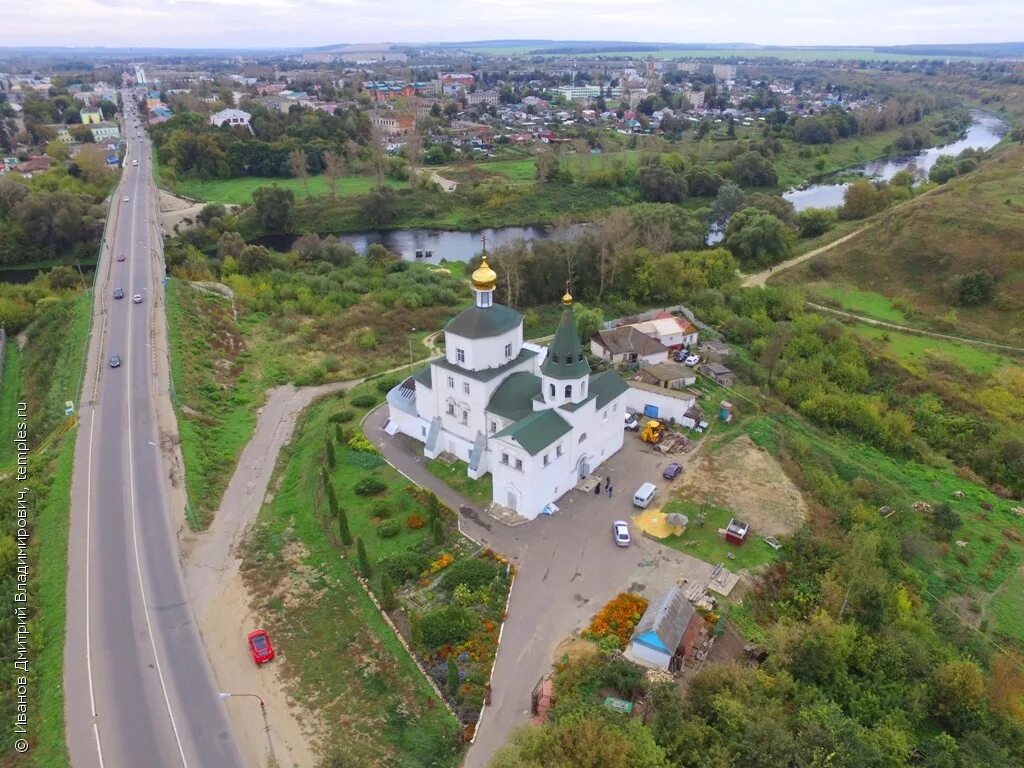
(487,373)
(565,358)
(422,376)
(514,398)
(484,322)
(607,386)
(537,431)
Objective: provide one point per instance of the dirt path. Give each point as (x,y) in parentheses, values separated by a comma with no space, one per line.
(908,329)
(221,603)
(761,278)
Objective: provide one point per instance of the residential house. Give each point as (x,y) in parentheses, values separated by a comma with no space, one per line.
(667,633)
(719,373)
(715,349)
(626,345)
(392,124)
(104,131)
(231,117)
(33,165)
(483,97)
(674,332)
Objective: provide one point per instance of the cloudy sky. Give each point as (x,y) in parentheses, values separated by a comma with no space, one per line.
(287,23)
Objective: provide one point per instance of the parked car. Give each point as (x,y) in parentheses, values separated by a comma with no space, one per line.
(692,360)
(260,647)
(137,298)
(620,533)
(115,361)
(119,293)
(672,470)
(681,355)
(631,423)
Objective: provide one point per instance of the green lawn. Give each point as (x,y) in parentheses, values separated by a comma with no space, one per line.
(867,303)
(1007,608)
(341,659)
(239,191)
(10,393)
(914,349)
(455,476)
(709,545)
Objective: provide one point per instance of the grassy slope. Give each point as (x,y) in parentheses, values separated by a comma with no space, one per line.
(362,677)
(917,250)
(10,393)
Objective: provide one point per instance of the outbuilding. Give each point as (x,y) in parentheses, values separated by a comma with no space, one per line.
(660,634)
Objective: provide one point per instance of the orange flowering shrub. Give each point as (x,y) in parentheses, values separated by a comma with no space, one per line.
(618,618)
(441,563)
(415,522)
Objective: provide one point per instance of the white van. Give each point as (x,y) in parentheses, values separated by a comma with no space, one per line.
(644,495)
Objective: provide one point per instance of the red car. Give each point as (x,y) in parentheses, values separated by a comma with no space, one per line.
(120,257)
(259,646)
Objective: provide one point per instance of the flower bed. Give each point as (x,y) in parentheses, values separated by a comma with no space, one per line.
(614,624)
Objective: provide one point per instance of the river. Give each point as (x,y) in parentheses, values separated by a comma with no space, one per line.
(985,132)
(441,243)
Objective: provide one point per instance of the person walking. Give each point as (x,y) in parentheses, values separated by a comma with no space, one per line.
(609,490)
(597,488)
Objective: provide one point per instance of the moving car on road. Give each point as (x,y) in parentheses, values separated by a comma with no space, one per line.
(115,361)
(137,298)
(620,533)
(126,199)
(260,647)
(119,293)
(672,470)
(120,257)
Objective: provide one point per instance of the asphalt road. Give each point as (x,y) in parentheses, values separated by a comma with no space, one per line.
(138,686)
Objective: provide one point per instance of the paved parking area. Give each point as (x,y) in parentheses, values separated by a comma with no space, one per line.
(568,568)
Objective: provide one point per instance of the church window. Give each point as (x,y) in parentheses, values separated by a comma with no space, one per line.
(558,450)
(519,464)
(465,417)
(508,350)
(551,389)
(494,427)
(465,387)
(451,409)
(547,459)
(451,382)
(460,354)
(583,389)
(504,459)
(604,416)
(568,390)
(554,357)
(615,407)
(583,437)
(579,357)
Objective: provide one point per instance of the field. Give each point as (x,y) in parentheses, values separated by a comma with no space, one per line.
(921,351)
(732,54)
(239,191)
(707,543)
(918,252)
(866,303)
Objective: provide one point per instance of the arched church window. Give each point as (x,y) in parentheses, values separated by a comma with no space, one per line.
(568,390)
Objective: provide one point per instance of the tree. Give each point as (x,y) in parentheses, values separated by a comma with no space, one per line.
(546,164)
(387,592)
(273,208)
(452,678)
(437,529)
(944,169)
(757,238)
(812,222)
(730,198)
(959,695)
(861,199)
(364,561)
(976,288)
(58,150)
(230,244)
(588,321)
(81,133)
(380,206)
(253,259)
(298,164)
(329,452)
(332,497)
(343,529)
(945,521)
(209,212)
(752,169)
(333,169)
(659,184)
(700,182)
(92,162)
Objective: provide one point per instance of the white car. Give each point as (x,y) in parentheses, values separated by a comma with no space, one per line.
(692,360)
(135,162)
(631,423)
(620,533)
(126,199)
(137,298)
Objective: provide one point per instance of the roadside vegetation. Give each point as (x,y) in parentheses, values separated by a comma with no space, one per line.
(44,374)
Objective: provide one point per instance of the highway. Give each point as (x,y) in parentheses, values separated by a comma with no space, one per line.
(139,692)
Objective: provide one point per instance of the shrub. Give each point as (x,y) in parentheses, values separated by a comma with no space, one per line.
(361,444)
(387,593)
(364,401)
(389,529)
(381,508)
(450,625)
(341,417)
(415,522)
(364,561)
(331,364)
(311,377)
(370,486)
(386,384)
(403,566)
(473,572)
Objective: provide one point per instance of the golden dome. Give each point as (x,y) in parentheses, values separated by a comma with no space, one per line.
(567,298)
(484,277)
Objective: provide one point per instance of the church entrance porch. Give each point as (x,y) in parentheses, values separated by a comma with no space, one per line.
(583,467)
(588,483)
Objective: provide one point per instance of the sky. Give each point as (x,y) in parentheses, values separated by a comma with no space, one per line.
(301,23)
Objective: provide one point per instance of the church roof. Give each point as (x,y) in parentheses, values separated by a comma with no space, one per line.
(484,322)
(514,398)
(537,431)
(422,376)
(565,358)
(606,386)
(486,374)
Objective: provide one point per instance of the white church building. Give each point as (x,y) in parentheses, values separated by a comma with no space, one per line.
(534,417)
